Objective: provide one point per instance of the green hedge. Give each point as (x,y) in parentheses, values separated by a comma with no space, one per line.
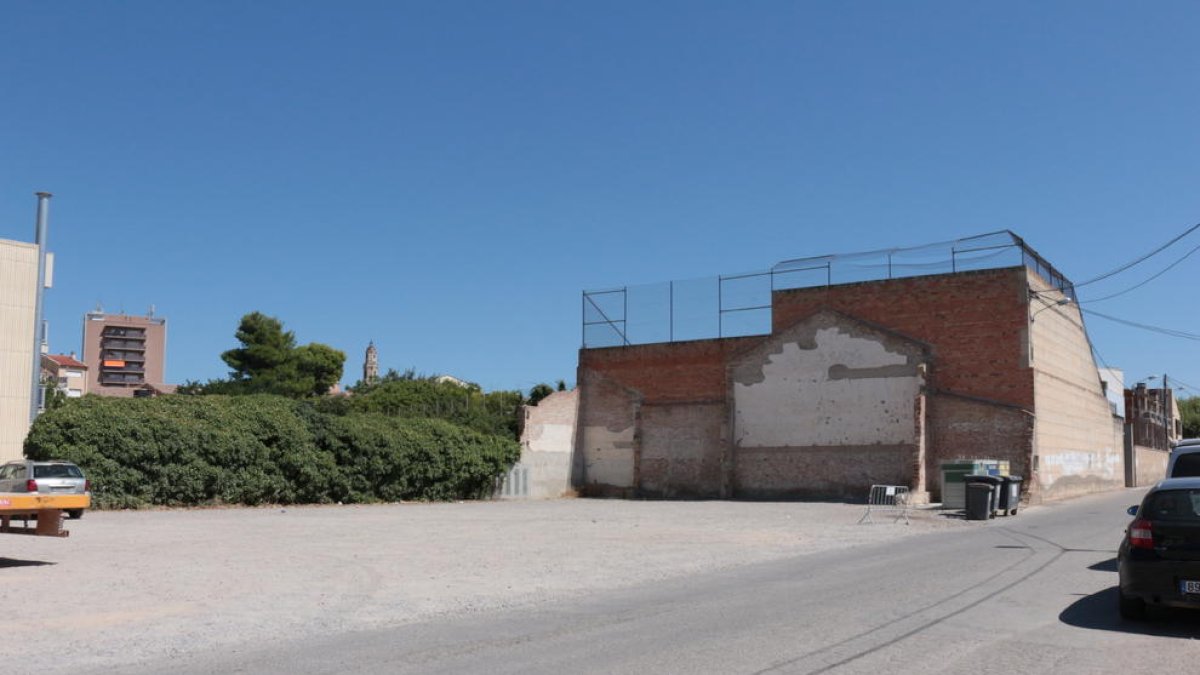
(194,450)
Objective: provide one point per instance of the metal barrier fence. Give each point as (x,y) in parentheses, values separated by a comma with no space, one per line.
(887,499)
(740,304)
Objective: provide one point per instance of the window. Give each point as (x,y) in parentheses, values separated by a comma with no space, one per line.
(1186,465)
(1174,505)
(57,471)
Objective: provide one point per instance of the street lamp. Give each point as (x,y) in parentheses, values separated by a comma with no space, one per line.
(1057,303)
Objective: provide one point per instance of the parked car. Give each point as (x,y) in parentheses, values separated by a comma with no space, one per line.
(52,477)
(1158,562)
(1184,459)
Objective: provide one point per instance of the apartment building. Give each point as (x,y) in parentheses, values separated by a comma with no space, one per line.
(124,353)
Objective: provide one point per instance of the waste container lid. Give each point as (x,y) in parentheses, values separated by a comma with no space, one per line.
(980,486)
(1013,479)
(983,478)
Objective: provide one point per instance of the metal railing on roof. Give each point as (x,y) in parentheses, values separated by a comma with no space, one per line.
(740,304)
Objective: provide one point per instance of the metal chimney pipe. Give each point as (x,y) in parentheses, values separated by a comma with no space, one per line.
(43,212)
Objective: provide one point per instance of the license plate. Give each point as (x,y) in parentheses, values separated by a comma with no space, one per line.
(1189,586)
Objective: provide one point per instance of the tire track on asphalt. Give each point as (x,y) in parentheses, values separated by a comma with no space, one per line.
(790,664)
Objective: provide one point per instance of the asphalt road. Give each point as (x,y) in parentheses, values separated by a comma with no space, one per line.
(1030,594)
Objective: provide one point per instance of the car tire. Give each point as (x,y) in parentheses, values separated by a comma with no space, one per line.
(1131,608)
(75,514)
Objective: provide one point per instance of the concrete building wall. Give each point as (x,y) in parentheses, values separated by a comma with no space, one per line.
(1077,446)
(18,297)
(548,444)
(604,464)
(1151,465)
(828,407)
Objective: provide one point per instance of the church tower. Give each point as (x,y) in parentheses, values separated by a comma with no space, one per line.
(371,364)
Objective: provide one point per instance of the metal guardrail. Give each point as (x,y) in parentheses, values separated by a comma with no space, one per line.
(892,499)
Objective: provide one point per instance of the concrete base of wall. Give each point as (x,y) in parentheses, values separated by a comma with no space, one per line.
(842,472)
(1072,486)
(1151,465)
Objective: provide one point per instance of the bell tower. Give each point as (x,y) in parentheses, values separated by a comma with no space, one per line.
(371,364)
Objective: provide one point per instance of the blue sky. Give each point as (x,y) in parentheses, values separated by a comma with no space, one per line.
(446,177)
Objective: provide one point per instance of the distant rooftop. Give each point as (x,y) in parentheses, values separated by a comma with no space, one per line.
(740,304)
(66,361)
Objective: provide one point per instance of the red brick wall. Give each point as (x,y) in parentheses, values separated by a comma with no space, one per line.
(975,322)
(961,428)
(669,372)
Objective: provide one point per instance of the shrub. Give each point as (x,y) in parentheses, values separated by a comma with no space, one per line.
(191,450)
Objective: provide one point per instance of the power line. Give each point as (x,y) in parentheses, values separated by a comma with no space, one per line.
(1151,254)
(1146,281)
(1098,355)
(1186,385)
(1154,329)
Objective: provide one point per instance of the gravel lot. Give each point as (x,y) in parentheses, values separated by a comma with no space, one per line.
(131,586)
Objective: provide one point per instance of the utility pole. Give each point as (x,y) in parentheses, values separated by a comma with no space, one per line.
(1167,420)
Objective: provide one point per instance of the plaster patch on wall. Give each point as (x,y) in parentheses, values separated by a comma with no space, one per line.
(794,401)
(608,456)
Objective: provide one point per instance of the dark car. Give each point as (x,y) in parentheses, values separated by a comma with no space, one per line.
(1159,559)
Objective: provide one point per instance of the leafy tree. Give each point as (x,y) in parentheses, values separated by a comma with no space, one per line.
(392,375)
(318,366)
(539,392)
(1189,410)
(53,397)
(270,362)
(491,413)
(191,388)
(266,347)
(562,385)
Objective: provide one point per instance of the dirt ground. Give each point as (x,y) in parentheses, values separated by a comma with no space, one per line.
(130,586)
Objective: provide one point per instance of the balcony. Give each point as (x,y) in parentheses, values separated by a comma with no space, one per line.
(138,345)
(138,370)
(108,380)
(139,357)
(124,332)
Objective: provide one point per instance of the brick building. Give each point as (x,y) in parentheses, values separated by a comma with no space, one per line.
(872,382)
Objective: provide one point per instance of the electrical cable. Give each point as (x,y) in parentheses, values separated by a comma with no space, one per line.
(1144,282)
(1186,385)
(1127,265)
(1154,329)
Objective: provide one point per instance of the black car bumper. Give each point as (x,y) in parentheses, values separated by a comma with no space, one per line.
(1160,582)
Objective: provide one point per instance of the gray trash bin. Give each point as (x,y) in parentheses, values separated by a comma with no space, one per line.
(1010,495)
(979,501)
(995,481)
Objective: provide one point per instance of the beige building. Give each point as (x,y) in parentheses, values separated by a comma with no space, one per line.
(65,373)
(18,298)
(124,353)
